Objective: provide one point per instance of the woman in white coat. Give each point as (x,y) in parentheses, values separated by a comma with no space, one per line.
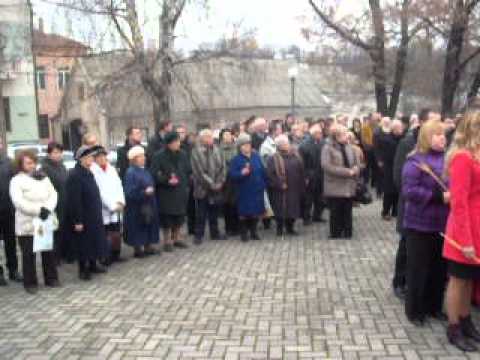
(33,196)
(113,202)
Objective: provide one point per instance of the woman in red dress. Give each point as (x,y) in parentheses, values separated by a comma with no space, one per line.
(462,241)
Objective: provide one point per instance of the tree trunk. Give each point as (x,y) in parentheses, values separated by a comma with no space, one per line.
(452,72)
(474,88)
(377,54)
(401,62)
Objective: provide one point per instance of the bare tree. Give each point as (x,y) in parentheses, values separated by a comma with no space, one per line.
(456,60)
(124,15)
(373,32)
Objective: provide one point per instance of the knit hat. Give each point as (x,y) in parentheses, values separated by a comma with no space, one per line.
(85,151)
(171,137)
(243,139)
(135,151)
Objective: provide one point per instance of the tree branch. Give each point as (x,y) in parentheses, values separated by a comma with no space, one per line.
(469,58)
(341,31)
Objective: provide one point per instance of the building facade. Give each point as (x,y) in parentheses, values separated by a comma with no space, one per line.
(54,58)
(105,95)
(17,72)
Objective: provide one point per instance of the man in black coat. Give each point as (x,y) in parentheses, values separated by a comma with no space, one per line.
(84,218)
(311,152)
(157,142)
(56,171)
(134,137)
(260,133)
(405,147)
(7,219)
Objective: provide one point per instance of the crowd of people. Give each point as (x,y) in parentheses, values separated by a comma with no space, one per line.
(425,168)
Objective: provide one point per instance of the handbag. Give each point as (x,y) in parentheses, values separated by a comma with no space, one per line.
(146,214)
(43,235)
(362,194)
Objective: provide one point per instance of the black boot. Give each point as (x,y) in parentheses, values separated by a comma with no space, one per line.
(290,228)
(253,229)
(15,276)
(279,227)
(267,223)
(458,339)
(97,269)
(84,271)
(469,329)
(243,230)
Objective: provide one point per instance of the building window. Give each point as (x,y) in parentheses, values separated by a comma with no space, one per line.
(6,111)
(41,78)
(43,127)
(63,77)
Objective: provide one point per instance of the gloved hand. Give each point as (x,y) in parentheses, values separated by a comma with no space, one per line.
(44,214)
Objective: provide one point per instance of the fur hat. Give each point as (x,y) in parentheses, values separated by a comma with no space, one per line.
(135,151)
(243,139)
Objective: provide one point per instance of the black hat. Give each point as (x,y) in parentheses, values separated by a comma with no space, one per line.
(171,137)
(84,151)
(99,150)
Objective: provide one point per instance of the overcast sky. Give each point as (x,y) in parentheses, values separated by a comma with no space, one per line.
(277,22)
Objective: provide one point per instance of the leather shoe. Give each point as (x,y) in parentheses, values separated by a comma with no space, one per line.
(15,276)
(469,329)
(458,339)
(98,269)
(85,275)
(180,245)
(32,290)
(400,292)
(53,284)
(3,282)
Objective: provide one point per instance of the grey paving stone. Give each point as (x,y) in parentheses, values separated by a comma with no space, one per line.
(302,298)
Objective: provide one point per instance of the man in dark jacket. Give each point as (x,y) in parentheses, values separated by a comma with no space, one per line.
(56,171)
(209,175)
(171,172)
(157,142)
(311,152)
(405,147)
(7,219)
(134,137)
(260,133)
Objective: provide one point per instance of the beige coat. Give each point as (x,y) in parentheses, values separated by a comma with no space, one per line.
(29,196)
(337,179)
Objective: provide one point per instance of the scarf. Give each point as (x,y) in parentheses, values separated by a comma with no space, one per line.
(343,150)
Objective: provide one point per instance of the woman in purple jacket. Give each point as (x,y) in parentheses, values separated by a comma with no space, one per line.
(426,212)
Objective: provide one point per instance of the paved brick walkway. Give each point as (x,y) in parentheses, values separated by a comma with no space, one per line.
(303,298)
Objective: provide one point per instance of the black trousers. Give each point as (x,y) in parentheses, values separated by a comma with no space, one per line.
(390,204)
(372,168)
(426,275)
(191,212)
(7,232)
(206,210)
(231,218)
(29,262)
(400,273)
(341,221)
(288,224)
(312,199)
